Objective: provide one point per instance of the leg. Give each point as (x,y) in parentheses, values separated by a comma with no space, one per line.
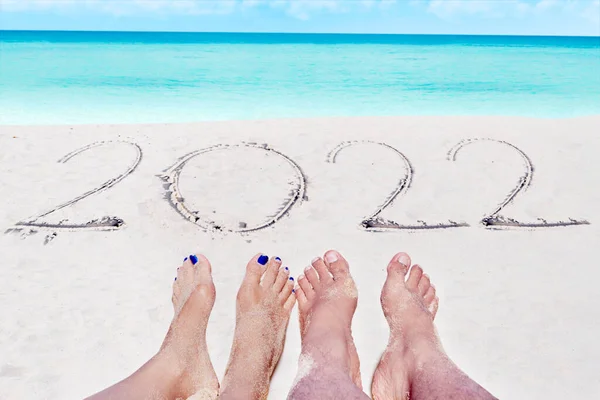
(414,365)
(182,366)
(264,303)
(329,367)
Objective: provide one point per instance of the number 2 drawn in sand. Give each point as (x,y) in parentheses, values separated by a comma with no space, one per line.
(171,177)
(104,223)
(494,220)
(374,222)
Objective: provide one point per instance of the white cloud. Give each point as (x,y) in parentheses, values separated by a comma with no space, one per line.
(184,6)
(301,9)
(304,9)
(544,5)
(451,9)
(123,7)
(21,5)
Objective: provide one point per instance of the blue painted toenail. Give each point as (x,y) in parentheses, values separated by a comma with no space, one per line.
(262,260)
(175,278)
(291,278)
(287,269)
(193,259)
(293,290)
(278,259)
(185,259)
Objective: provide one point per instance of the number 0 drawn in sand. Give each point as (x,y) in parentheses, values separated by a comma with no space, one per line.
(374,222)
(171,177)
(494,220)
(104,223)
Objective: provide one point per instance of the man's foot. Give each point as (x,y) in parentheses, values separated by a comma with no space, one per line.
(184,351)
(264,303)
(409,306)
(327,299)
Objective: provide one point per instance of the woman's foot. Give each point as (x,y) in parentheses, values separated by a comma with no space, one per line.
(264,303)
(327,299)
(182,368)
(409,306)
(184,349)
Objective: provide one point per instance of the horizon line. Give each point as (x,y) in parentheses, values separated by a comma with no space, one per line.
(297,33)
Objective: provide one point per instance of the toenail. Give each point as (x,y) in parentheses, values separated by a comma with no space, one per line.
(277,258)
(301,277)
(287,269)
(262,260)
(193,259)
(315,260)
(291,278)
(175,278)
(293,290)
(331,257)
(307,268)
(404,260)
(185,259)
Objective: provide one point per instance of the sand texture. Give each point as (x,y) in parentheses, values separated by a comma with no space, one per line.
(503,213)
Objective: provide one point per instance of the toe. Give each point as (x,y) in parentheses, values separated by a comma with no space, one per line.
(399,265)
(414,276)
(429,296)
(187,264)
(271,273)
(433,307)
(312,277)
(287,290)
(180,271)
(338,266)
(176,290)
(306,287)
(424,284)
(300,295)
(321,268)
(185,274)
(289,303)
(282,278)
(203,269)
(255,268)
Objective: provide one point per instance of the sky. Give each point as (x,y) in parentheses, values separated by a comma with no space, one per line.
(495,17)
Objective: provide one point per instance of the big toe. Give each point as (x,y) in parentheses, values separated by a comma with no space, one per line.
(203,268)
(337,265)
(255,268)
(398,266)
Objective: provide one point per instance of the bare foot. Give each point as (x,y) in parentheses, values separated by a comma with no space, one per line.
(409,306)
(182,368)
(264,303)
(327,299)
(184,349)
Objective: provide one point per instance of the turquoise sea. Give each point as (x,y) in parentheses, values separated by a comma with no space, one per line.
(131,77)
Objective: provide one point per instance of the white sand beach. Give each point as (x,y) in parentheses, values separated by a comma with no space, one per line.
(83,305)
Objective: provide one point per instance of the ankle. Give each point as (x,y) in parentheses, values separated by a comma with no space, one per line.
(237,385)
(325,323)
(419,350)
(327,349)
(180,355)
(248,373)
